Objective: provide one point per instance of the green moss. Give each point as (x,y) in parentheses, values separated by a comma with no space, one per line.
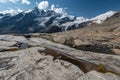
(13,49)
(102,69)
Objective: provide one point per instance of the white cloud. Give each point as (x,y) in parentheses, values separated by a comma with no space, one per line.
(11,11)
(15,1)
(57,10)
(43,5)
(19,10)
(3,1)
(52,7)
(25,2)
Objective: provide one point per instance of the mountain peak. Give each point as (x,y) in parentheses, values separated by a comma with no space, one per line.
(100,18)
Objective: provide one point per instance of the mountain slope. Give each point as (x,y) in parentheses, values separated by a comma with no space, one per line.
(101,18)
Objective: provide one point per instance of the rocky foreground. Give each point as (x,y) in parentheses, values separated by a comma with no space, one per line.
(34,58)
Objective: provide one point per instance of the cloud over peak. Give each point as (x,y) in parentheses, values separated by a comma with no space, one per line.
(57,10)
(43,5)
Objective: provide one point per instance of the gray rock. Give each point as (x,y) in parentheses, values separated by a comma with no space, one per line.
(94,75)
(30,64)
(59,39)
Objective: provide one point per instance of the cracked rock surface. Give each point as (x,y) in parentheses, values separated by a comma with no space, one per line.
(30,58)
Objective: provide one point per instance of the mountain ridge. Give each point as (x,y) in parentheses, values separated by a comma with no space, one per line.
(39,20)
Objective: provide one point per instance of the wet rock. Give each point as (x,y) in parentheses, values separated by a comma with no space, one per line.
(99,48)
(21,45)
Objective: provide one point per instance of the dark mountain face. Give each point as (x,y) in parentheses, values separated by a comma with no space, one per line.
(1,14)
(52,29)
(116,15)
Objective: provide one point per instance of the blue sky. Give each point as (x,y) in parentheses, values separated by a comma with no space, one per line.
(85,8)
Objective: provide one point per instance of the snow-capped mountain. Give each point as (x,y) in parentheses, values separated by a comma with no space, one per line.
(38,20)
(101,18)
(44,20)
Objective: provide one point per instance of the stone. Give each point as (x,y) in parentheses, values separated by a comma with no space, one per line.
(28,63)
(99,76)
(78,42)
(59,39)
